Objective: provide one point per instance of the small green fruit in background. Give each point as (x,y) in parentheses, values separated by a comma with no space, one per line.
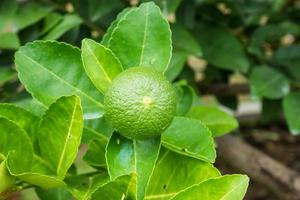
(140,103)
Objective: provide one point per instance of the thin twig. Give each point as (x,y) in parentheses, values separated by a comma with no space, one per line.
(223,89)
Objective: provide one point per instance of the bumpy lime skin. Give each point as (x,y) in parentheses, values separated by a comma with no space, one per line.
(140,103)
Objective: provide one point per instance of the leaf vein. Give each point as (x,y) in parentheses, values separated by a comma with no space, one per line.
(67,138)
(63,81)
(145,36)
(97,61)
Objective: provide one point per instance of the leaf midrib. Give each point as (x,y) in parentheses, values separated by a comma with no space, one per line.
(145,36)
(267,84)
(99,64)
(161,195)
(67,138)
(63,81)
(237,186)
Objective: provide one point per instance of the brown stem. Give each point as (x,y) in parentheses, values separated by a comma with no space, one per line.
(223,89)
(284,182)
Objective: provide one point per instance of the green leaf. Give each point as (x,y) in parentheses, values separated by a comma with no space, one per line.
(222,49)
(7,10)
(8,7)
(271,34)
(142,37)
(252,12)
(58,71)
(6,74)
(60,134)
(25,15)
(174,173)
(170,5)
(291,108)
(289,57)
(120,188)
(100,64)
(7,180)
(100,187)
(218,121)
(167,6)
(107,36)
(99,128)
(15,144)
(53,194)
(32,105)
(176,64)
(95,155)
(191,138)
(51,20)
(41,175)
(67,23)
(94,10)
(83,187)
(125,156)
(185,96)
(23,119)
(185,41)
(273,87)
(228,188)
(41,180)
(9,41)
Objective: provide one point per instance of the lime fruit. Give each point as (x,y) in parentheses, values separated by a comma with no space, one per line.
(140,103)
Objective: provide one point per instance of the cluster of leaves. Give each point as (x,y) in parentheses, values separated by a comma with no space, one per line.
(258,40)
(40,143)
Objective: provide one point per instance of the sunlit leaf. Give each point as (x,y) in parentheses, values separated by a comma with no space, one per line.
(50,70)
(100,64)
(142,37)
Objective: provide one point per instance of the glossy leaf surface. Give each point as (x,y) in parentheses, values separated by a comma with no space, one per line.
(215,119)
(50,70)
(174,173)
(100,64)
(60,134)
(125,156)
(229,188)
(15,144)
(191,138)
(142,37)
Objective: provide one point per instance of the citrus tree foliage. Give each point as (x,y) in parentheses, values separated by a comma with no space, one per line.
(40,138)
(259,40)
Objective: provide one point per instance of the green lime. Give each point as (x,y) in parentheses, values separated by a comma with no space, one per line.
(140,103)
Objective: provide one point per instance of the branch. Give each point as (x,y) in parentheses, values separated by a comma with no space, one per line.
(284,182)
(223,89)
